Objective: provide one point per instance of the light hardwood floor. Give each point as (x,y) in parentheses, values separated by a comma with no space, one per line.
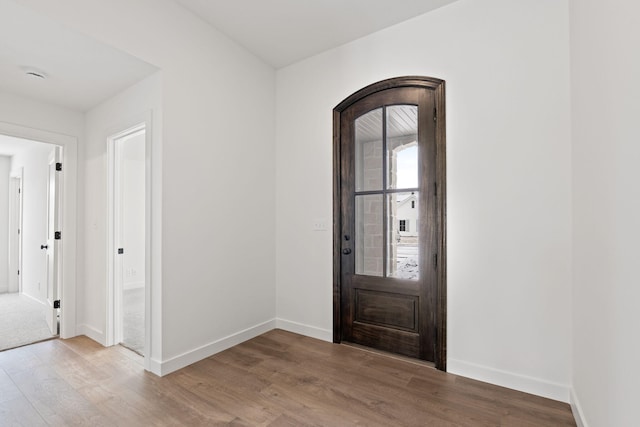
(277,379)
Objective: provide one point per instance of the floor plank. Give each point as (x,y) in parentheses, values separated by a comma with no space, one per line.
(19,412)
(276,379)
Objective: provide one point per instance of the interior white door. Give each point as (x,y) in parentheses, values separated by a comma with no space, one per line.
(15,234)
(53,243)
(129,156)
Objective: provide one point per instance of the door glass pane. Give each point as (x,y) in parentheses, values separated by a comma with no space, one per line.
(369,242)
(402,146)
(368,151)
(403,251)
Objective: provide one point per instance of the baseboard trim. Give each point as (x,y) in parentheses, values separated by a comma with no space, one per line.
(306,330)
(510,380)
(578,413)
(195,355)
(32,298)
(91,332)
(155,367)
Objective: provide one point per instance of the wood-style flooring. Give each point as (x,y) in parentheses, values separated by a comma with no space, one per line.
(277,379)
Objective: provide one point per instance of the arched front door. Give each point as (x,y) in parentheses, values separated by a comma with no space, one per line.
(389,218)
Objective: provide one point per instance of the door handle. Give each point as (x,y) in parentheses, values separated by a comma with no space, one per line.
(346,251)
(44,246)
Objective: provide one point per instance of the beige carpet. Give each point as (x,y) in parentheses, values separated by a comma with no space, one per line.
(22,321)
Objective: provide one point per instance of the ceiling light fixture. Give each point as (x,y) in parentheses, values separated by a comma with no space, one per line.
(32,72)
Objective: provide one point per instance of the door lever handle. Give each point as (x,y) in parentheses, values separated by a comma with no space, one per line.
(44,246)
(346,251)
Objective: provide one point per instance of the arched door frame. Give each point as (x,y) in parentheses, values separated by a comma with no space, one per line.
(438,88)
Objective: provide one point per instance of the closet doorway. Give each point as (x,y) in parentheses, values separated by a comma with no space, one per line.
(128,236)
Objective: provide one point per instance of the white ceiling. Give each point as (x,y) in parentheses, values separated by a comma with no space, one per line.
(81,71)
(282,32)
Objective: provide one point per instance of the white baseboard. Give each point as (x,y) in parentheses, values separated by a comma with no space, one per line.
(91,332)
(193,356)
(302,329)
(578,413)
(33,298)
(155,367)
(511,380)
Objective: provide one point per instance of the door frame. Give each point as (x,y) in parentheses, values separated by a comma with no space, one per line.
(438,87)
(55,244)
(131,126)
(115,333)
(68,206)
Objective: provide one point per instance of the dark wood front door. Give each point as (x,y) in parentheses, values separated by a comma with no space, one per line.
(389,218)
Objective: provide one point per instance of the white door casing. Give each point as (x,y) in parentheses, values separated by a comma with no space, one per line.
(53,245)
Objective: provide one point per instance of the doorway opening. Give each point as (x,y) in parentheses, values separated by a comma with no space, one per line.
(31,184)
(128,255)
(389,219)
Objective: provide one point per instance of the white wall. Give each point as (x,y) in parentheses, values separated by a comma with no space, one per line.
(34,161)
(5,165)
(218,141)
(506,66)
(38,115)
(606,203)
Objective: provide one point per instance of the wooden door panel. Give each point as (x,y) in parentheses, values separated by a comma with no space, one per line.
(385,339)
(386,284)
(386,309)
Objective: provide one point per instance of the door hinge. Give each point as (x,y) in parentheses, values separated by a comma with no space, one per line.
(58,167)
(435,114)
(18,272)
(435,189)
(435,260)
(56,304)
(57,235)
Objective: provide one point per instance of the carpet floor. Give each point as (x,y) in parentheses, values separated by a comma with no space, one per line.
(22,321)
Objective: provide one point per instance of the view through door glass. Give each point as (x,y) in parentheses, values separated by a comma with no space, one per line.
(391,199)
